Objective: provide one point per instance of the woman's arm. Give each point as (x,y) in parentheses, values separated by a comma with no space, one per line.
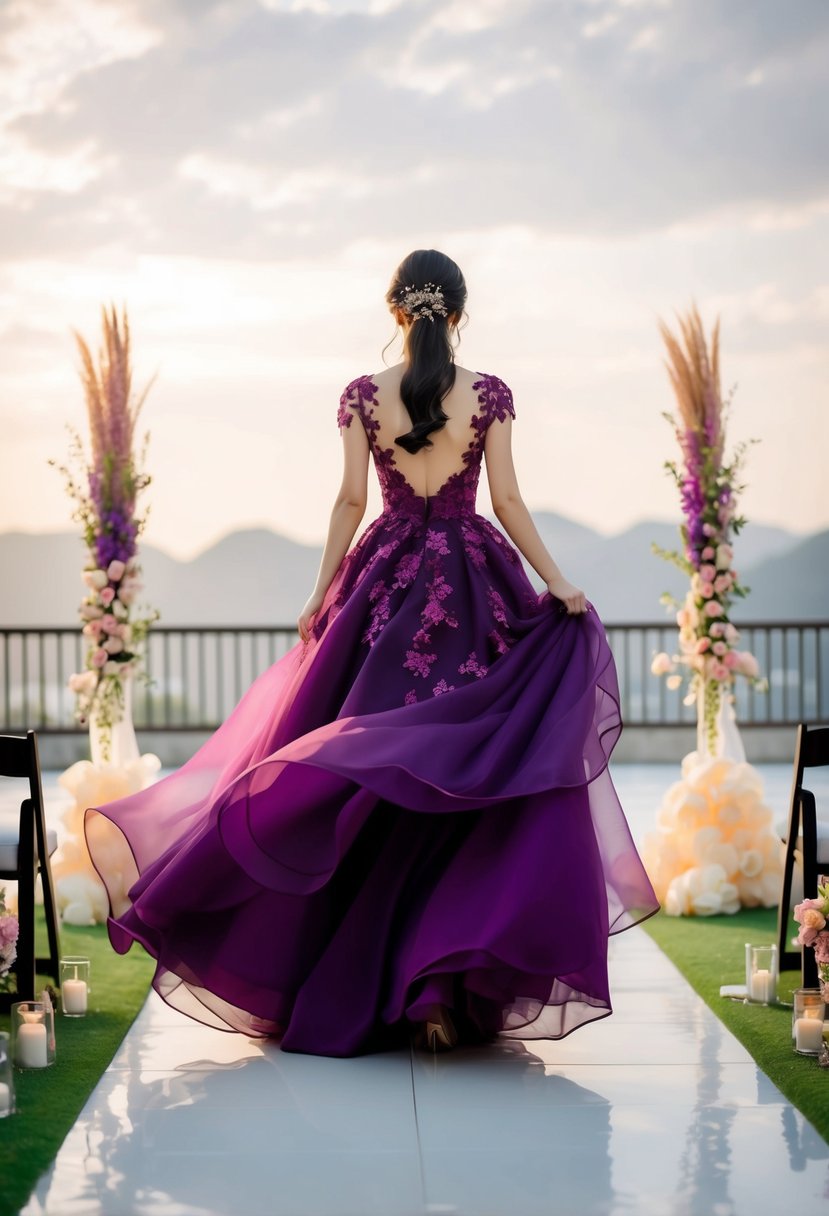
(516,520)
(349,508)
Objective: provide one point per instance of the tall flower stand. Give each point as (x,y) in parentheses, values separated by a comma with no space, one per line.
(81,896)
(714,849)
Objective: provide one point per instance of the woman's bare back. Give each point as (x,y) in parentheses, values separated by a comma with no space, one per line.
(427,470)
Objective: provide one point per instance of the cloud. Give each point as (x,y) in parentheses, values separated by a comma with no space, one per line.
(267,130)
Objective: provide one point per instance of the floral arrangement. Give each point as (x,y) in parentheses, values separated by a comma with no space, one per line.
(708,489)
(9,929)
(813,915)
(105,489)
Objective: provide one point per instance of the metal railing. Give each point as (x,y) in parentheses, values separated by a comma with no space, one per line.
(198,673)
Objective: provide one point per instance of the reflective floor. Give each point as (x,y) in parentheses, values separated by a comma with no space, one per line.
(657,1109)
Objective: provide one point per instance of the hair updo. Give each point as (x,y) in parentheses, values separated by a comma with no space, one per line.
(428,286)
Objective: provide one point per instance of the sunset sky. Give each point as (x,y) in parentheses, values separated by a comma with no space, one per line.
(246,175)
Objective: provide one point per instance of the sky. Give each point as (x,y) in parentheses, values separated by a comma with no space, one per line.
(245,176)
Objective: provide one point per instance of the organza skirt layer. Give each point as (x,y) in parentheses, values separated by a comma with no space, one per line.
(359,841)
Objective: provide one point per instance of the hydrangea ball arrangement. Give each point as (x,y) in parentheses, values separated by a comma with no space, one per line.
(708,489)
(104,489)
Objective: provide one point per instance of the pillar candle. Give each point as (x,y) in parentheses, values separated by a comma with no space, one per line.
(808,1034)
(73,994)
(5,1100)
(762,986)
(31,1045)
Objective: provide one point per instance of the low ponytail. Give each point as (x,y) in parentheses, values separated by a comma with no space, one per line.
(430,288)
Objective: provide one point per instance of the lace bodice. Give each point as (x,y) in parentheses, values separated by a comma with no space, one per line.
(457,495)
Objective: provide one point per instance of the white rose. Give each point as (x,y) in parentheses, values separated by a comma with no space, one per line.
(725,555)
(96,579)
(119,610)
(661,664)
(113,644)
(91,612)
(111,668)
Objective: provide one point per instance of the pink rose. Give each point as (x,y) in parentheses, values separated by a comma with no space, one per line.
(709,553)
(109,623)
(709,530)
(99,657)
(719,671)
(116,570)
(708,572)
(683,618)
(712,608)
(91,629)
(719,649)
(717,630)
(107,596)
(822,947)
(722,583)
(702,645)
(747,665)
(808,905)
(731,660)
(706,590)
(9,929)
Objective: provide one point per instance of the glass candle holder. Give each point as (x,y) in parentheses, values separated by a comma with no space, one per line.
(807,1021)
(74,986)
(33,1034)
(761,974)
(6,1077)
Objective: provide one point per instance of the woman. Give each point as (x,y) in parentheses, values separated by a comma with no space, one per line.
(408,821)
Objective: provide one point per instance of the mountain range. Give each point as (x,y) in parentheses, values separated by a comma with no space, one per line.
(260,577)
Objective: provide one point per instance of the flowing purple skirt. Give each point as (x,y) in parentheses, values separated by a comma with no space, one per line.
(415,807)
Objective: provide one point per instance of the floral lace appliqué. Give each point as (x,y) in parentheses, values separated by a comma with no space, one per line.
(471,667)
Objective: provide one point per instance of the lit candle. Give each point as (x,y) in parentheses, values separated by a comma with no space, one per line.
(762,986)
(31,1045)
(5,1100)
(808,1035)
(73,994)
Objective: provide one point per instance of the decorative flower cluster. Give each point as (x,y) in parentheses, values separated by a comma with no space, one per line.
(813,916)
(9,930)
(708,489)
(113,641)
(714,849)
(419,302)
(105,490)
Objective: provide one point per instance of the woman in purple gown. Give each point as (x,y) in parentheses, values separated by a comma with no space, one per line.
(408,820)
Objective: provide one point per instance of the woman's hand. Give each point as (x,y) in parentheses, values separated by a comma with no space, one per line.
(308,613)
(572,597)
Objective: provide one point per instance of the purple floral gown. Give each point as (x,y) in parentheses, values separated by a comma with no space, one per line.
(414,807)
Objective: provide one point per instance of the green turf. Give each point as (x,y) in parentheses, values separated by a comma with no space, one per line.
(49,1100)
(710,951)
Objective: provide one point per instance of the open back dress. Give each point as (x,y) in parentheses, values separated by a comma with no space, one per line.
(412,808)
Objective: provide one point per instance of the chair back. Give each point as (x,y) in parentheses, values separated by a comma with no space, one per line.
(19,758)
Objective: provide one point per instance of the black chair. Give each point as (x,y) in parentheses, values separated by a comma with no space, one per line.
(807,847)
(25,848)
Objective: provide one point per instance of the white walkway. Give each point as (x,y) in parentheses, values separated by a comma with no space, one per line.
(656,1110)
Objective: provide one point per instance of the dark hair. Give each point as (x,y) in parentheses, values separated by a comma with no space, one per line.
(431,371)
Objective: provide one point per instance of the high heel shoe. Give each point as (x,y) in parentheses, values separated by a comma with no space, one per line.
(437,1034)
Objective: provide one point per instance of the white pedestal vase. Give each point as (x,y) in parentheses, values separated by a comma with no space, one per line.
(116,770)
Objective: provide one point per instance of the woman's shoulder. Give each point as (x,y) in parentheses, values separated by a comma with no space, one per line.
(494,396)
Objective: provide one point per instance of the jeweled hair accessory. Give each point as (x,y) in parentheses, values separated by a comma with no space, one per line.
(418,302)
